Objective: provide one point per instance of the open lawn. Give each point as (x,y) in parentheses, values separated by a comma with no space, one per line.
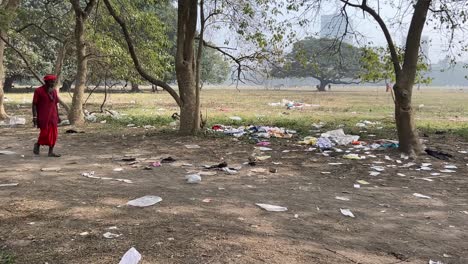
(60,216)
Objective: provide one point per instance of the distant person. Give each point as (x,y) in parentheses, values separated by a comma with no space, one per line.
(329,87)
(45,115)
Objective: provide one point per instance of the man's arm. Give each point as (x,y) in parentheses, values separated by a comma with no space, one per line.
(34,113)
(58,116)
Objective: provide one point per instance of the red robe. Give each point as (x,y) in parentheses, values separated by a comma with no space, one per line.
(47,116)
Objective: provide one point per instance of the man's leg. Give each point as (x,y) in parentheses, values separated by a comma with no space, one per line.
(36,148)
(53,134)
(52,154)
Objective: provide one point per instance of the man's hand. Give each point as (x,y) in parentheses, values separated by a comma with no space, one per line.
(35,121)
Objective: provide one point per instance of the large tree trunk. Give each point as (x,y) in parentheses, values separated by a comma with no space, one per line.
(5,7)
(185,66)
(135,88)
(66,86)
(404,113)
(3,114)
(404,117)
(322,86)
(76,115)
(8,84)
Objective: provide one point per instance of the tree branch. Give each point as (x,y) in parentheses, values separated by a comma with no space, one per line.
(28,65)
(383,26)
(136,62)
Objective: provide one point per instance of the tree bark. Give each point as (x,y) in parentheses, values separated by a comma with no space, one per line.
(66,85)
(8,84)
(76,115)
(404,112)
(135,88)
(185,66)
(322,86)
(3,114)
(6,6)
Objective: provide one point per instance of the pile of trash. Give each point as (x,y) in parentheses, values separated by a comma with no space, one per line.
(13,121)
(255,131)
(291,104)
(337,137)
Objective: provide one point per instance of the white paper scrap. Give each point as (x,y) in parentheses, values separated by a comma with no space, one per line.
(132,256)
(272,208)
(347,212)
(145,201)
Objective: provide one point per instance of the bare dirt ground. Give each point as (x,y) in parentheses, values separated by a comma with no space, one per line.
(217,220)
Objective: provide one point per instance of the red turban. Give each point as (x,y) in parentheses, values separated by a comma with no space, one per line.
(50,77)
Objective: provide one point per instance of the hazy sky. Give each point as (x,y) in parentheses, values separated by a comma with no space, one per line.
(396,18)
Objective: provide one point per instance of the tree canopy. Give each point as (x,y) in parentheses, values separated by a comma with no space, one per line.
(321,59)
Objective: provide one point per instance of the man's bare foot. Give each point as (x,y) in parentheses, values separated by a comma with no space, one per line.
(36,148)
(54,155)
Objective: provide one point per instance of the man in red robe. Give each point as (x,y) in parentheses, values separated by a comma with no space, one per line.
(45,115)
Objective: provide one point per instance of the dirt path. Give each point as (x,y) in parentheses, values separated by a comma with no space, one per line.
(217,220)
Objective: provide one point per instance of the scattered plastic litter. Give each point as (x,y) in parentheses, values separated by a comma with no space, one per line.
(272,208)
(132,256)
(363,182)
(110,235)
(342,198)
(319,125)
(229,170)
(347,212)
(435,262)
(236,118)
(156,164)
(259,170)
(192,146)
(9,184)
(51,169)
(14,120)
(145,201)
(264,149)
(378,168)
(427,179)
(357,186)
(263,143)
(261,158)
(193,178)
(374,173)
(450,167)
(447,171)
(339,137)
(324,143)
(91,176)
(84,233)
(335,163)
(421,196)
(401,174)
(255,131)
(118,169)
(7,152)
(353,157)
(308,141)
(367,123)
